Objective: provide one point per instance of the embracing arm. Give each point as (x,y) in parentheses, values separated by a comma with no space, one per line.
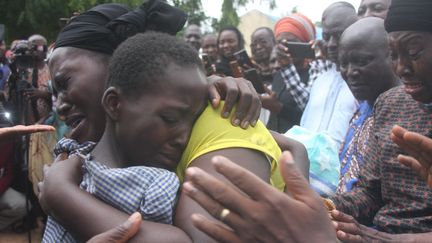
(85,216)
(253,161)
(297,149)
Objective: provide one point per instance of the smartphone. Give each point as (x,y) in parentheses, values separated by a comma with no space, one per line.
(243,58)
(300,50)
(209,67)
(253,76)
(205,60)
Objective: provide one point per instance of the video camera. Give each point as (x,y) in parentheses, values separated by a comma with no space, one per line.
(24,54)
(24,76)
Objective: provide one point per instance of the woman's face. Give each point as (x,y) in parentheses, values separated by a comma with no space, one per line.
(228,43)
(411,52)
(79,78)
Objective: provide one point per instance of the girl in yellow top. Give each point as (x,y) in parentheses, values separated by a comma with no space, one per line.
(212,133)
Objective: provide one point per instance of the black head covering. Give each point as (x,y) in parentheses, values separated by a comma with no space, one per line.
(104,27)
(409,15)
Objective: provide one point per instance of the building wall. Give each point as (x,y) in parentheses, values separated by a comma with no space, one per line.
(251,21)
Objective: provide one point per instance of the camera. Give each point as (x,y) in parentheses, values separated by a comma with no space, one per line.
(24,53)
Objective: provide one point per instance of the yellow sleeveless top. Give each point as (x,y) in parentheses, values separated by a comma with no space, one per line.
(212,132)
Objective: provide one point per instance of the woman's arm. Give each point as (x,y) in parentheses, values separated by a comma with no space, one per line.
(84,216)
(297,149)
(251,160)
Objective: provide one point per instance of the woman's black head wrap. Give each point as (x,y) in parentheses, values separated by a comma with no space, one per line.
(409,15)
(104,27)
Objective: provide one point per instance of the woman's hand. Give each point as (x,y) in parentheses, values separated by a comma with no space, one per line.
(419,148)
(253,211)
(235,91)
(7,134)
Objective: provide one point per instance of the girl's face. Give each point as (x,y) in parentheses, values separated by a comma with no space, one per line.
(411,53)
(228,43)
(154,125)
(79,78)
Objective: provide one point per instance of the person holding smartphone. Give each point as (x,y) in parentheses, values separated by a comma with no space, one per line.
(262,43)
(324,95)
(297,72)
(331,104)
(229,41)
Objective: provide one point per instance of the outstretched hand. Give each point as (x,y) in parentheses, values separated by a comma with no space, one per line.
(121,233)
(257,212)
(235,91)
(7,134)
(419,148)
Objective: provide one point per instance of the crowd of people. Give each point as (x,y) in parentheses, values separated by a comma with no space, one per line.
(306,140)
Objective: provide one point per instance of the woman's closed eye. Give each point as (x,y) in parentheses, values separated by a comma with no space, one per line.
(170,119)
(414,53)
(60,83)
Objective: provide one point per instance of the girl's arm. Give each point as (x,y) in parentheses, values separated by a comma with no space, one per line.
(84,216)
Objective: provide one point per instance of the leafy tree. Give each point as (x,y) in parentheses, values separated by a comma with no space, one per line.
(25,17)
(194,10)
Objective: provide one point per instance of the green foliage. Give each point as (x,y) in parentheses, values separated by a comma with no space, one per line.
(26,17)
(82,5)
(194,10)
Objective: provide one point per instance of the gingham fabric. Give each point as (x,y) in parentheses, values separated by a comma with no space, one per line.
(151,191)
(299,90)
(71,147)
